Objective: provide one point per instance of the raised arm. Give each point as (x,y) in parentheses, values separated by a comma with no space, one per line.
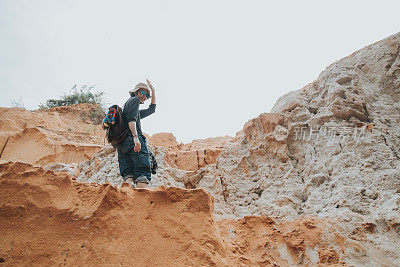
(153,92)
(152,107)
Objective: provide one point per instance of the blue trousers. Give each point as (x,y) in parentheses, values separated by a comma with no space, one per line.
(134,164)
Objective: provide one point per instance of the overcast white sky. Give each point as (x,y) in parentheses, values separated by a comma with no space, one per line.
(215,64)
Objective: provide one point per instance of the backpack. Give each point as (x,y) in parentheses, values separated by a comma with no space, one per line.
(114,126)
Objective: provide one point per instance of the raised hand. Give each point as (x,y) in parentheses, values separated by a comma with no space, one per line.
(150,85)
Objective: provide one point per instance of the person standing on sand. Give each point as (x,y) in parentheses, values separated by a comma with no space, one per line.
(133,154)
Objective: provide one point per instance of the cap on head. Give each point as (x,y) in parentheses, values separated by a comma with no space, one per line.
(138,87)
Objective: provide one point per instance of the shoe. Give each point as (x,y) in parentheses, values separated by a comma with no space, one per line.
(128,183)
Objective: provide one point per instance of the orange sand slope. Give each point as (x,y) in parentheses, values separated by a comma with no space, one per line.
(63,134)
(47,218)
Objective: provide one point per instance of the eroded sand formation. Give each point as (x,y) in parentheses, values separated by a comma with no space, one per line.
(47,218)
(61,134)
(316,181)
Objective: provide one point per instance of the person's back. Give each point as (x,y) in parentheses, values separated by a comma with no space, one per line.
(133,154)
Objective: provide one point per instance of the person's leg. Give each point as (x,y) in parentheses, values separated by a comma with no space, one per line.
(126,168)
(142,165)
(131,182)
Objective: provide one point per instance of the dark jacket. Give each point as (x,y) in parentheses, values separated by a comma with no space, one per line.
(131,112)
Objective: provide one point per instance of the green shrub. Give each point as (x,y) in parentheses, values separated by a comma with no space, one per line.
(77,96)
